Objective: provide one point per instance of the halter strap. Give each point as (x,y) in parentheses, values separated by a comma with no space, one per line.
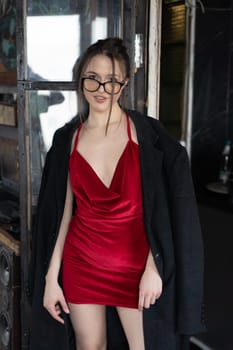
(128,128)
(77,136)
(80,126)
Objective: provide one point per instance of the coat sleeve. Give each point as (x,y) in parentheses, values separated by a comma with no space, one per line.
(45,220)
(188,246)
(37,239)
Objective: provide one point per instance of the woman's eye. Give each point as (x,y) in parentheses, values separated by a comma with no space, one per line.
(92,77)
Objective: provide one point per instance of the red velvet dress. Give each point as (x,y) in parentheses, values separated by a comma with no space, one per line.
(106,246)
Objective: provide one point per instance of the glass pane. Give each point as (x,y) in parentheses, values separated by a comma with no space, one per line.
(48,111)
(59,31)
(7,42)
(9,167)
(173,51)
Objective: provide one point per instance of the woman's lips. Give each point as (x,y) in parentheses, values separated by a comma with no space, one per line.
(100,99)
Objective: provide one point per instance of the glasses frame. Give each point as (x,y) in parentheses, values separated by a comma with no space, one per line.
(121,83)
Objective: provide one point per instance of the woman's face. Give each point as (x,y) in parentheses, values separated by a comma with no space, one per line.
(98,96)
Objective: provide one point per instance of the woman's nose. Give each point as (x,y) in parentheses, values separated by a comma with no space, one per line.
(101,88)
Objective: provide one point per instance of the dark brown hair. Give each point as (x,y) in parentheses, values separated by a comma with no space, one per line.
(114,49)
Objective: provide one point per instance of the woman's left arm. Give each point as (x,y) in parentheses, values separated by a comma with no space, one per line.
(188,247)
(150,287)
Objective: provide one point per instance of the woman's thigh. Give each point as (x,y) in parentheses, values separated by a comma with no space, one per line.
(89,324)
(132,323)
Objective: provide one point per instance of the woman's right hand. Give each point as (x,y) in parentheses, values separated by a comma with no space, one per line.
(54,300)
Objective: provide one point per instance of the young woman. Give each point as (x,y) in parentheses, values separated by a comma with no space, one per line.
(117,222)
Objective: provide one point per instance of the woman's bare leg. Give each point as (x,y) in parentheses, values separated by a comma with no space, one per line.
(89,324)
(132,323)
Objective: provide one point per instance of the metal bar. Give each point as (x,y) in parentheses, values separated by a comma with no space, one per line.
(141,33)
(200,344)
(129,20)
(183,134)
(23,169)
(9,132)
(154,58)
(190,86)
(4,89)
(187,110)
(229,75)
(47,85)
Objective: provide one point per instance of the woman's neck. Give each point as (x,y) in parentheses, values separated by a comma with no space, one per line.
(99,120)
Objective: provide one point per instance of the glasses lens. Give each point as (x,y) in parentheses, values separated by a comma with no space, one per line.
(93,85)
(112,87)
(90,84)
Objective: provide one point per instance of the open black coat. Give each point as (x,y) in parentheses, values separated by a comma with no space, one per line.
(173,230)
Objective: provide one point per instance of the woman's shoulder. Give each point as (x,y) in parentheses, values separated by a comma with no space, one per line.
(153,130)
(64,134)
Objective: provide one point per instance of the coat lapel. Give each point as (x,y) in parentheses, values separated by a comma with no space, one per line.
(151,158)
(155,209)
(151,169)
(63,150)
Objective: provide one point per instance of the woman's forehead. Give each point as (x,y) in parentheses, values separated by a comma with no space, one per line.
(102,64)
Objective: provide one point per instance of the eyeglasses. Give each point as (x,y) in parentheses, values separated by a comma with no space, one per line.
(110,87)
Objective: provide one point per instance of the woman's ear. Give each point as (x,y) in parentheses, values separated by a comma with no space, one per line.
(125,84)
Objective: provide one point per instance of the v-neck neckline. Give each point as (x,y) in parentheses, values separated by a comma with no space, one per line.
(117,163)
(115,169)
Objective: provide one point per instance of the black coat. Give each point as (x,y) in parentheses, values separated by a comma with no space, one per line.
(173,230)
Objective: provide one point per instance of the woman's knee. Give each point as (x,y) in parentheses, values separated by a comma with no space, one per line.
(91,344)
(89,324)
(132,323)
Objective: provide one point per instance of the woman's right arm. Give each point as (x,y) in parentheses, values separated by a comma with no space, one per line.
(54,298)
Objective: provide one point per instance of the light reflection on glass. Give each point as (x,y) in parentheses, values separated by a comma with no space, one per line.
(48,111)
(99,28)
(57,115)
(56,36)
(53,46)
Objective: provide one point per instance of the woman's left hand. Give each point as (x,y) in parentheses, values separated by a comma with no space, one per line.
(150,287)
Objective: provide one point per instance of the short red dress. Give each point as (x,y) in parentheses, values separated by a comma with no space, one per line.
(106,246)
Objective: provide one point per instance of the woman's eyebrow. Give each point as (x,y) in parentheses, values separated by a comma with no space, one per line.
(106,76)
(91,72)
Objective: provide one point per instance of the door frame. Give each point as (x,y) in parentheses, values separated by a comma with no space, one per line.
(154,57)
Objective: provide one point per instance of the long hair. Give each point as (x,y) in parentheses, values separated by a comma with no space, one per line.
(112,48)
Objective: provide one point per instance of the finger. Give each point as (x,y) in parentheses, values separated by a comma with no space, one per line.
(64,305)
(58,309)
(54,312)
(59,319)
(147,300)
(141,302)
(153,300)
